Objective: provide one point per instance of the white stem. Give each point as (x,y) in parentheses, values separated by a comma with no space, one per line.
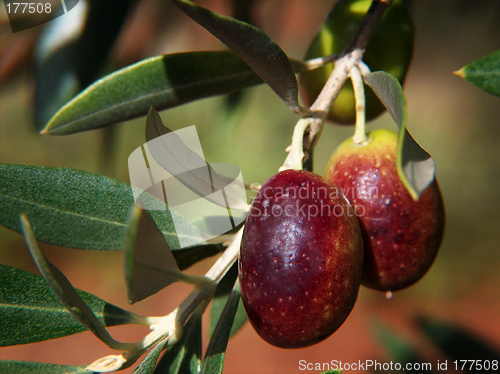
(359,96)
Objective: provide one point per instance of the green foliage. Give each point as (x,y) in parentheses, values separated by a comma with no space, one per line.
(23,367)
(484,73)
(77,209)
(31,312)
(162,82)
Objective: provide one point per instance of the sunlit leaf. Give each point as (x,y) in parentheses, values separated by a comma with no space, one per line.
(71,50)
(415,166)
(77,209)
(185,356)
(222,293)
(30,312)
(63,289)
(484,73)
(216,351)
(162,82)
(25,367)
(264,56)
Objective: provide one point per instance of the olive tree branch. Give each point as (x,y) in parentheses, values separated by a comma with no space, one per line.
(350,57)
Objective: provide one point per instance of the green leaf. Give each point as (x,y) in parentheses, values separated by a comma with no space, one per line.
(149,263)
(30,312)
(25,367)
(416,168)
(162,82)
(77,209)
(221,297)
(184,357)
(484,73)
(264,56)
(63,289)
(216,351)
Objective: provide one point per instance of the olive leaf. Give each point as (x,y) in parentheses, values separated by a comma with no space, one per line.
(31,312)
(264,56)
(77,209)
(184,357)
(415,166)
(484,73)
(26,367)
(149,263)
(214,356)
(221,296)
(458,343)
(63,289)
(163,82)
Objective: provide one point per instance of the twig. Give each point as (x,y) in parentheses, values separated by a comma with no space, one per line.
(351,56)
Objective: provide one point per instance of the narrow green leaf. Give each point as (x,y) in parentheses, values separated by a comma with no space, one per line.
(416,168)
(163,82)
(221,297)
(185,356)
(332,372)
(149,363)
(216,351)
(150,265)
(63,289)
(30,312)
(484,73)
(25,367)
(76,209)
(264,56)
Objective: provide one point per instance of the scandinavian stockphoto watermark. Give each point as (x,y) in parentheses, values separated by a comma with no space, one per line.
(25,15)
(170,173)
(295,196)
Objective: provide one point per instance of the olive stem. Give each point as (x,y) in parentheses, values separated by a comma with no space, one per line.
(351,56)
(171,326)
(359,96)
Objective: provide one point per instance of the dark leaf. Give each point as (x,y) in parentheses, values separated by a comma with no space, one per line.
(264,56)
(25,367)
(30,312)
(416,168)
(222,293)
(484,73)
(71,50)
(216,351)
(184,357)
(76,209)
(187,257)
(459,344)
(162,82)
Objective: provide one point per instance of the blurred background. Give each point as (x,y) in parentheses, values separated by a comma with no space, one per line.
(454,121)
